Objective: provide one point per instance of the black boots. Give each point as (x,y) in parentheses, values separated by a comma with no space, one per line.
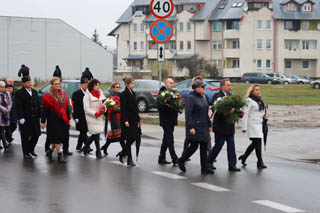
(243,160)
(61,158)
(49,155)
(261,165)
(129,161)
(181,165)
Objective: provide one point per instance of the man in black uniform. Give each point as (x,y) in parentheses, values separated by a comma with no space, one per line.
(28,113)
(78,113)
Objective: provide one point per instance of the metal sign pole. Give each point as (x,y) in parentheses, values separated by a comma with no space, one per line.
(160,74)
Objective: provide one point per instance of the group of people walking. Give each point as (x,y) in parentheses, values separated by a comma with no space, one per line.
(91,114)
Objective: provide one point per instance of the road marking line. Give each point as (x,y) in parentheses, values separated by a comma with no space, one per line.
(169,175)
(277,206)
(210,187)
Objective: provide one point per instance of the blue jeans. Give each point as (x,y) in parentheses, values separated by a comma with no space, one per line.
(219,142)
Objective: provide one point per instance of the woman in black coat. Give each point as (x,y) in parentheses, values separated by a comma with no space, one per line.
(130,120)
(56,113)
(198,127)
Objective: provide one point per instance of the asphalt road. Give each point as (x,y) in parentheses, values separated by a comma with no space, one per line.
(85,184)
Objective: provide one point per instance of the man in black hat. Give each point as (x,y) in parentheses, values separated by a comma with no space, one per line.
(28,114)
(78,113)
(87,74)
(57,72)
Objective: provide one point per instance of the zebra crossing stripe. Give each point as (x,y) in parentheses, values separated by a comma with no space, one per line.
(169,175)
(277,206)
(210,187)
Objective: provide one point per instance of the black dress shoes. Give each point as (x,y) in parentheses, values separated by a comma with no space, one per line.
(207,172)
(211,166)
(234,169)
(68,153)
(27,156)
(131,164)
(33,154)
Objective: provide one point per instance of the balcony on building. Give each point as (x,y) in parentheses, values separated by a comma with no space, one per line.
(232,29)
(301,49)
(232,48)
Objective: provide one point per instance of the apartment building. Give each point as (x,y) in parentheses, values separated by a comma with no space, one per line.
(236,36)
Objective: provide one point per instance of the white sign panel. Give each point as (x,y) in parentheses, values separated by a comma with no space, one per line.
(160,52)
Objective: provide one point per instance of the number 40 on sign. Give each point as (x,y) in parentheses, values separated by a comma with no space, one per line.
(161,8)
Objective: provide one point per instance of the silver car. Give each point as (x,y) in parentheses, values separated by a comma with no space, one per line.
(282,78)
(315,84)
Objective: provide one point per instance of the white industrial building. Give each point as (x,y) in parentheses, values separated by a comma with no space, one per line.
(42,44)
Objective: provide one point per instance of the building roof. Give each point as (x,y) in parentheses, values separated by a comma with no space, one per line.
(206,10)
(126,16)
(226,10)
(279,11)
(134,57)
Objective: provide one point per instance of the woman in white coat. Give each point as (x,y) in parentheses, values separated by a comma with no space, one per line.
(252,124)
(94,110)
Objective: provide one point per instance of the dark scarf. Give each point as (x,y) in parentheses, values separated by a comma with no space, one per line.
(258,100)
(4,98)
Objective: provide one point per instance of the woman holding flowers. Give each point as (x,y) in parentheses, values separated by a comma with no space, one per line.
(94,110)
(113,105)
(252,124)
(129,119)
(198,127)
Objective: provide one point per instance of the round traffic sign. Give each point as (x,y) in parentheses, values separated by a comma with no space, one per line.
(161,8)
(161,31)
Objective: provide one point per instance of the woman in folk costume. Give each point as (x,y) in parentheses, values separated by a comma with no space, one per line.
(5,108)
(94,110)
(56,113)
(252,124)
(114,135)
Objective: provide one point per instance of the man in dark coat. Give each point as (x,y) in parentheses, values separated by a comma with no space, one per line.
(223,131)
(28,114)
(79,115)
(168,119)
(57,72)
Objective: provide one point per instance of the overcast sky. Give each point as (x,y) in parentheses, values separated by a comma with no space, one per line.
(84,15)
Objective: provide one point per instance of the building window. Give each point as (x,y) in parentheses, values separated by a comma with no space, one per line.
(152,45)
(305,44)
(268,64)
(287,64)
(217,63)
(235,44)
(135,46)
(318,26)
(189,26)
(135,27)
(292,25)
(305,64)
(306,25)
(189,45)
(217,45)
(142,27)
(260,27)
(292,7)
(307,7)
(217,26)
(181,27)
(181,45)
(235,63)
(233,25)
(259,64)
(268,24)
(259,44)
(268,44)
(291,44)
(142,45)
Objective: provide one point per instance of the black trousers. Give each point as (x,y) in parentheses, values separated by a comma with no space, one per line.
(13,127)
(219,143)
(96,139)
(187,144)
(65,143)
(28,142)
(168,142)
(108,142)
(255,145)
(192,149)
(3,136)
(126,151)
(83,138)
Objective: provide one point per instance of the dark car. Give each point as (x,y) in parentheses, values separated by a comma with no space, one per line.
(70,86)
(261,78)
(212,87)
(146,92)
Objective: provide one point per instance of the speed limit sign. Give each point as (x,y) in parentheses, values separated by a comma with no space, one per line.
(161,8)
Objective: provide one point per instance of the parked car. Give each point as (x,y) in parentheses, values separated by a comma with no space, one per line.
(299,80)
(70,86)
(212,87)
(146,93)
(306,79)
(315,84)
(256,77)
(282,78)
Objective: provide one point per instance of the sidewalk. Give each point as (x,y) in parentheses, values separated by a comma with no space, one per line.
(291,144)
